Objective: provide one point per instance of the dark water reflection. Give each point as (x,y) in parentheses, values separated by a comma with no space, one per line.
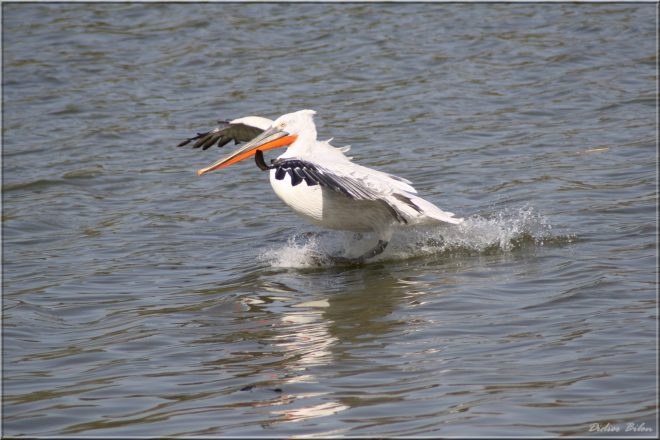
(140,300)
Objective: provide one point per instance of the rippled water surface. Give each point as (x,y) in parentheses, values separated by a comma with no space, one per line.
(140,299)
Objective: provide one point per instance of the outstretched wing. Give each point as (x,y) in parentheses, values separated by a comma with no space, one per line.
(223,134)
(361,183)
(315,174)
(349,184)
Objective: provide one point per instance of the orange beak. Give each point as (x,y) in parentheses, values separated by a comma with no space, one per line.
(269,139)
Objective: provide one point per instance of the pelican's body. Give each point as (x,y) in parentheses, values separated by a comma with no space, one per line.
(321,184)
(328,208)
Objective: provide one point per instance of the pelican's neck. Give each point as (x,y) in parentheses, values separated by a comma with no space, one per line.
(303,145)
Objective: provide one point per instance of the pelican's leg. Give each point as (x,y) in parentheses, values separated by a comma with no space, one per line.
(376,250)
(384,236)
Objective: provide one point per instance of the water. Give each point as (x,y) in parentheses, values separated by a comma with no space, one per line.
(139,299)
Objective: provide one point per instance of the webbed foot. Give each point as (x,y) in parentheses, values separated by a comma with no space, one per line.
(337,260)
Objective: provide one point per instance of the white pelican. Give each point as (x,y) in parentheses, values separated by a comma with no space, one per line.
(320,183)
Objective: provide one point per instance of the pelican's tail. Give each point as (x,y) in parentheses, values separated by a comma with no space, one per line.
(430,210)
(417,210)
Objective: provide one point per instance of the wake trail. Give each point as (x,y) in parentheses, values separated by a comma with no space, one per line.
(502,231)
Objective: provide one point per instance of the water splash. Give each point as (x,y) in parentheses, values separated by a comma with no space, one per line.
(503,232)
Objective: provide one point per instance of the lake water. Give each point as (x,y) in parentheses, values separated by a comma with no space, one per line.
(140,299)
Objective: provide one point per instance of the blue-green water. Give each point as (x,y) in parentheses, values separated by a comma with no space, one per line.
(139,299)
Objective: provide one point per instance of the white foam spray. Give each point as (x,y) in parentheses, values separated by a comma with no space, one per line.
(501,232)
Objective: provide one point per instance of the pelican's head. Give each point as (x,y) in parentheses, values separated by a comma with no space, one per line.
(284,131)
(297,123)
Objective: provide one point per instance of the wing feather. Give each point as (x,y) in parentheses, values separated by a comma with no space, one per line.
(355,187)
(361,183)
(223,134)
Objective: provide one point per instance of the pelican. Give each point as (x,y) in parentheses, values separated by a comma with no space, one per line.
(320,183)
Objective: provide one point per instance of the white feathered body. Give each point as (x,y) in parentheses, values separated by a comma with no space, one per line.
(330,209)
